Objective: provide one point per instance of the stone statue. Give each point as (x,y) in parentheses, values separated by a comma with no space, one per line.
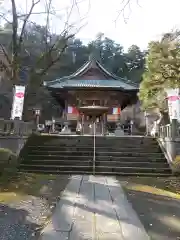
(66,129)
(119,131)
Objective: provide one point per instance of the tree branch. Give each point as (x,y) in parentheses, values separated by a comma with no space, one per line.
(3,17)
(5,54)
(57,58)
(48,5)
(35,13)
(14,25)
(124,5)
(14,42)
(5,68)
(34,3)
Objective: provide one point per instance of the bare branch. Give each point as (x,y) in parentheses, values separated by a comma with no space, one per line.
(48,7)
(14,42)
(5,68)
(34,3)
(3,16)
(5,53)
(69,15)
(51,63)
(75,3)
(123,6)
(50,59)
(54,49)
(34,13)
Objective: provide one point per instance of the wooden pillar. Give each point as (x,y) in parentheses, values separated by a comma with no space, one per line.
(102,124)
(105,123)
(83,124)
(66,110)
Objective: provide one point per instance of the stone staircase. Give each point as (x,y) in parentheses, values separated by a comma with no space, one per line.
(129,155)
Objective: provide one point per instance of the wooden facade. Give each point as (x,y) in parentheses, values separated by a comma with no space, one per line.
(91,85)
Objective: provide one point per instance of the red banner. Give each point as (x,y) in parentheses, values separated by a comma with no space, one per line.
(173,98)
(72,110)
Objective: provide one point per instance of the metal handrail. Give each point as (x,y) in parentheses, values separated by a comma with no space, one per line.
(94,148)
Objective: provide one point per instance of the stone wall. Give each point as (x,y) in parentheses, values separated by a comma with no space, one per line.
(13,134)
(177,146)
(134,112)
(171,150)
(141,122)
(168,147)
(13,143)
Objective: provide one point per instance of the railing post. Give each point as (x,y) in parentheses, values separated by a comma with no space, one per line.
(174,129)
(168,134)
(94,148)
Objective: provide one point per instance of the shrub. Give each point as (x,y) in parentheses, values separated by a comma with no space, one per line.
(8,162)
(176,165)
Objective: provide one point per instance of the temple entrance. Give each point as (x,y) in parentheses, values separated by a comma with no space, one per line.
(90,115)
(88,125)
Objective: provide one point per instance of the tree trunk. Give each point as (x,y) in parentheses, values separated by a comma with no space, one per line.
(164,118)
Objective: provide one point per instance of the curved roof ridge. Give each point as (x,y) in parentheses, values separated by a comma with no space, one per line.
(127,81)
(85,67)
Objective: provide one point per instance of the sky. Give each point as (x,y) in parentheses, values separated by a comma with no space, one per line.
(139,24)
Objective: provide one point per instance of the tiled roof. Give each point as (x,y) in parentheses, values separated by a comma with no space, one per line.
(111,83)
(72,80)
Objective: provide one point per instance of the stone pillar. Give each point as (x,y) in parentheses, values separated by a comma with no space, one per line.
(146,116)
(174,129)
(53,125)
(17,127)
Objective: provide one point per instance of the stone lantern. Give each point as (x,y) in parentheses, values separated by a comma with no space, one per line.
(37,113)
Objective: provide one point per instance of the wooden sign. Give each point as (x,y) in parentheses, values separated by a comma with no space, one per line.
(71,116)
(112,117)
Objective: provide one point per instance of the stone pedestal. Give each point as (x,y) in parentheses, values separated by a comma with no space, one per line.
(119,132)
(66,129)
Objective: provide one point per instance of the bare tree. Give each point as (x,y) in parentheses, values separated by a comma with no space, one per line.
(125,9)
(55,45)
(19,22)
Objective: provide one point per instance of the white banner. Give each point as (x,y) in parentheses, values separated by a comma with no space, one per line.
(173,97)
(18,102)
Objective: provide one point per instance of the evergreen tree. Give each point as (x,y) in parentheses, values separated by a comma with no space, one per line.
(162,71)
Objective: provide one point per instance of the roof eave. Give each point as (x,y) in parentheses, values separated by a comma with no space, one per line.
(84,68)
(92,88)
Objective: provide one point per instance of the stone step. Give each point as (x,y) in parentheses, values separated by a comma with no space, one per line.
(72,136)
(103,141)
(98,158)
(98,168)
(83,137)
(114,156)
(90,140)
(55,171)
(153,164)
(55,154)
(112,143)
(91,148)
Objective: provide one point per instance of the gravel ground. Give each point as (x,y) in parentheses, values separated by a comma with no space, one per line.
(159,213)
(24,220)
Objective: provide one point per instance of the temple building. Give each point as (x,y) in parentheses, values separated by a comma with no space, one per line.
(92,91)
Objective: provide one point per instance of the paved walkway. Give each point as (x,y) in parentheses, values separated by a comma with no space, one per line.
(94,208)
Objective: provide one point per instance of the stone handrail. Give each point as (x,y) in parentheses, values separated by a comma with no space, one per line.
(15,128)
(165,131)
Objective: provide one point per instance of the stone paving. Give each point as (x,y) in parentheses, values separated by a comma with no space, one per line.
(94,207)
